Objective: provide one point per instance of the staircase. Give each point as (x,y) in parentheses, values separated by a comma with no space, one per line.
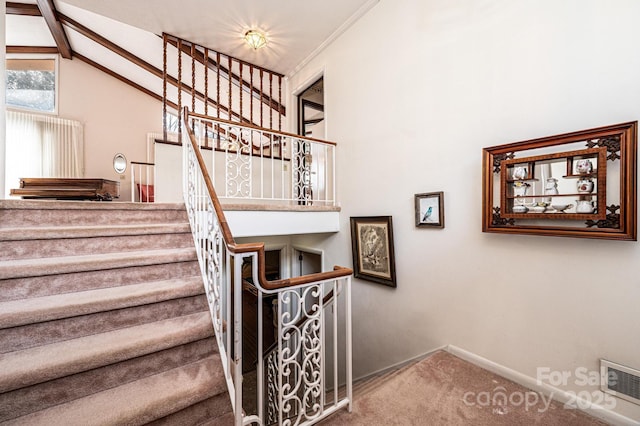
(103,320)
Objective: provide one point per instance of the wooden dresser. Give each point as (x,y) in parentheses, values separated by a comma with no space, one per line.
(68,188)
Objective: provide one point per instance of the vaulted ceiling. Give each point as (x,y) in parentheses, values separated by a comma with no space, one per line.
(295,29)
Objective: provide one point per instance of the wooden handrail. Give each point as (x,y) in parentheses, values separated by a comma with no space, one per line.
(230,242)
(226,151)
(258,128)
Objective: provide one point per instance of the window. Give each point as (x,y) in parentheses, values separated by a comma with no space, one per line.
(31,83)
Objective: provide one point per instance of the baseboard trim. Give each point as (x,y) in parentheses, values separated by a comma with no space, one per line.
(557,394)
(400,364)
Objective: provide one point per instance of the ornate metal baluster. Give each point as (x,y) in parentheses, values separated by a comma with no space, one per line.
(261,96)
(241,81)
(251,91)
(206,94)
(180,90)
(271,401)
(206,81)
(229,64)
(193,78)
(164,86)
(295,371)
(218,84)
(270,100)
(280,102)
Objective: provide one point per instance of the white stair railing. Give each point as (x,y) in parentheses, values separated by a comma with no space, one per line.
(306,374)
(143,178)
(252,163)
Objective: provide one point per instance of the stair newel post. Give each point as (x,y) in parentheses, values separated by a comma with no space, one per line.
(335,344)
(260,364)
(237,336)
(349,348)
(279,363)
(185,164)
(228,299)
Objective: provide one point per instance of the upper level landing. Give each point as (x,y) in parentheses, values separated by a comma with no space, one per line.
(253,220)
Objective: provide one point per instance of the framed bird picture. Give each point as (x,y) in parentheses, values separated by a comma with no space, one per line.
(430,210)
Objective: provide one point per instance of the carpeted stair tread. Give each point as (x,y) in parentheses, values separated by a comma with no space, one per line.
(42,363)
(39,309)
(85,205)
(45,333)
(65,264)
(224,420)
(55,232)
(211,409)
(138,402)
(46,213)
(103,317)
(46,285)
(61,247)
(66,389)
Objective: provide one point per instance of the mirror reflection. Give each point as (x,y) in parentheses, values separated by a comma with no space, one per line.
(119,163)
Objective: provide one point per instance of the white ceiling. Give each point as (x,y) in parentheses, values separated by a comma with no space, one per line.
(295,29)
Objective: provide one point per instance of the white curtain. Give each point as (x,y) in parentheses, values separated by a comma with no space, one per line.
(42,146)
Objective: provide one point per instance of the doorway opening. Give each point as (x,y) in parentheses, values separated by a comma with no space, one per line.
(306,262)
(311,110)
(310,125)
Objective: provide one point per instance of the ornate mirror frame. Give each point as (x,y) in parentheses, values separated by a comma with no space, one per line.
(119,163)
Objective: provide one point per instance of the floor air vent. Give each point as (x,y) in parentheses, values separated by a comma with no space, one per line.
(620,381)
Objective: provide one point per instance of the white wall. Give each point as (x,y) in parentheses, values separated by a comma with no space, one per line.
(413,92)
(116,118)
(3,65)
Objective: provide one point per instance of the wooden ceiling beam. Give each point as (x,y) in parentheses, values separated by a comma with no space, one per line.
(48,10)
(23,9)
(104,42)
(32,49)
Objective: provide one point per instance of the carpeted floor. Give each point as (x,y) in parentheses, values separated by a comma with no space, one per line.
(445,390)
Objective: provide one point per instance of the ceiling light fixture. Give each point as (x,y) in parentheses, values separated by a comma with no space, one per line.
(255,39)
